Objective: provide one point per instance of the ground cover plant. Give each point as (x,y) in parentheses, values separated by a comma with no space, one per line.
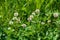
(29,19)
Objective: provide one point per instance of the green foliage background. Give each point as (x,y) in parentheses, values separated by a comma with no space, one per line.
(33,31)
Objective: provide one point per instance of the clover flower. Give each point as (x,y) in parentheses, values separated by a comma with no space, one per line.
(10,22)
(23,25)
(14,18)
(33,13)
(42,23)
(55,15)
(18,20)
(29,19)
(37,11)
(16,14)
(31,16)
(49,21)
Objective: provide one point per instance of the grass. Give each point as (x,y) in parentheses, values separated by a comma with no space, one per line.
(44,25)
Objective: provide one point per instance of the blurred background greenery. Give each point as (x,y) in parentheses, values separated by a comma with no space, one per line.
(34,30)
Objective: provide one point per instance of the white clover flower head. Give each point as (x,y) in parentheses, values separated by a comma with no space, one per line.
(10,22)
(18,19)
(16,14)
(33,13)
(9,28)
(29,19)
(23,25)
(49,21)
(14,18)
(56,15)
(37,11)
(42,23)
(31,16)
